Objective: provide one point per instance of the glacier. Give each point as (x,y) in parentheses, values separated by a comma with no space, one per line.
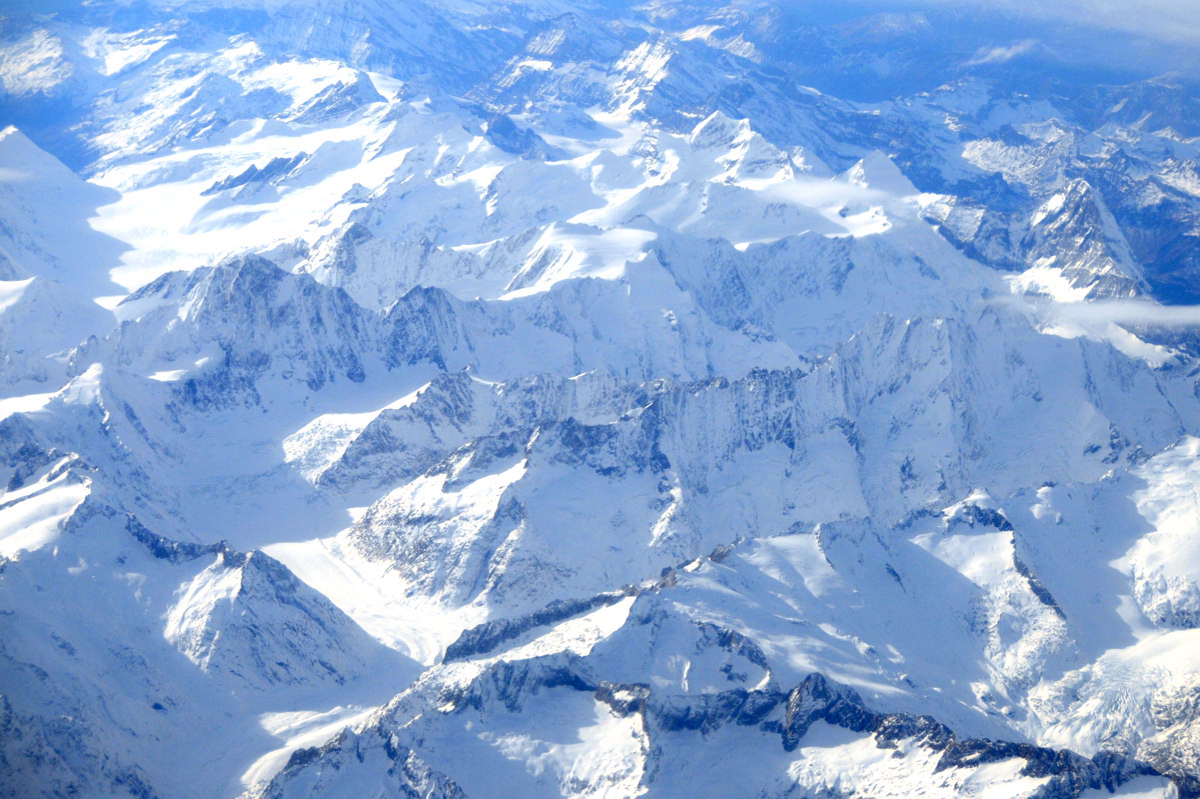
(583,399)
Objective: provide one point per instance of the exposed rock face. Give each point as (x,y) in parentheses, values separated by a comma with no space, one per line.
(1174,749)
(669,722)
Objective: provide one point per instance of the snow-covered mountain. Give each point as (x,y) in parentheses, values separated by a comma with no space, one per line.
(593,399)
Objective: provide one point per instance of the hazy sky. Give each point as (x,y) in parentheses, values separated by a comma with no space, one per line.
(1169,20)
(1148,35)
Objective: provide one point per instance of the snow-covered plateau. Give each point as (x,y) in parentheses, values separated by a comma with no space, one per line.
(577,398)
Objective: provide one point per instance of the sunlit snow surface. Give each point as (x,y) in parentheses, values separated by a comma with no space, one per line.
(536,400)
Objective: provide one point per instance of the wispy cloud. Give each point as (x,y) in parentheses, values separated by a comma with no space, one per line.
(1127,312)
(999,55)
(1102,312)
(1109,321)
